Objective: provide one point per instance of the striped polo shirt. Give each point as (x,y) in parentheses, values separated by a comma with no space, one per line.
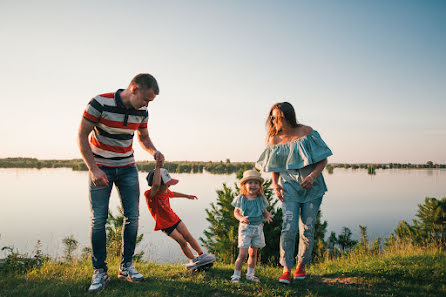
(112,138)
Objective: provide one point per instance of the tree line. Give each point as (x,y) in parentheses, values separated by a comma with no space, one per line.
(216,167)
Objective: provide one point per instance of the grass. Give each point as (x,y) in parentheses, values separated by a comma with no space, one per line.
(406,271)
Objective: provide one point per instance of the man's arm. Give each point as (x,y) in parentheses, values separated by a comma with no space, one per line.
(98,176)
(147,145)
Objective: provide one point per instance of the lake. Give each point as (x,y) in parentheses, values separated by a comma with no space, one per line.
(50,204)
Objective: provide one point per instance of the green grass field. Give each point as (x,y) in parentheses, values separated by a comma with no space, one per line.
(399,272)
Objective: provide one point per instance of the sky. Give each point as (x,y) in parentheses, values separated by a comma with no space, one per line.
(369,76)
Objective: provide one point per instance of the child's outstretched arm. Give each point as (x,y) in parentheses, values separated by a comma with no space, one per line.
(181,195)
(239,217)
(156,180)
(268,216)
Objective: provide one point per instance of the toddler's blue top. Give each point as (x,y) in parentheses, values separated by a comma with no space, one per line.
(295,160)
(251,208)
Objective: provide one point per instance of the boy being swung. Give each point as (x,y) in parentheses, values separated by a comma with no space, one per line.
(166,219)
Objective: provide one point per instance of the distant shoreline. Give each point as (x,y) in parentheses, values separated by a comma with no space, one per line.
(219,167)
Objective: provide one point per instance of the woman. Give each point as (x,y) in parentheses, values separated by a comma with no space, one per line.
(296,155)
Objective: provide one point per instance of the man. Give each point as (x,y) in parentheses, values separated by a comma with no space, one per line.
(113,118)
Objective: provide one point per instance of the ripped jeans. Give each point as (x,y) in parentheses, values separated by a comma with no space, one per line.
(302,217)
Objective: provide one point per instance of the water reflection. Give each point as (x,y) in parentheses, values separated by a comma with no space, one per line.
(50,204)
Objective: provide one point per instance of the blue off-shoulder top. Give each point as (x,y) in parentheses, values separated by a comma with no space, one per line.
(253,208)
(294,160)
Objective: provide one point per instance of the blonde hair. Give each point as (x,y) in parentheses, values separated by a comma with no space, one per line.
(244,191)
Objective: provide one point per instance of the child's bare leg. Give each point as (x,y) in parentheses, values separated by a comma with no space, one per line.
(252,260)
(242,254)
(175,235)
(182,229)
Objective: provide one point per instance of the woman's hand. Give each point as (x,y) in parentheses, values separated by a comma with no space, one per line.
(279,191)
(307,183)
(191,197)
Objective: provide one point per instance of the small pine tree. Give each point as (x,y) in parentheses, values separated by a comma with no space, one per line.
(71,245)
(113,228)
(344,239)
(221,238)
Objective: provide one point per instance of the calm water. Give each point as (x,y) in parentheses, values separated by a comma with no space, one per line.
(50,204)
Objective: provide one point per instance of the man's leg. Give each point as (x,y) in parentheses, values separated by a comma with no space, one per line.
(128,187)
(99,199)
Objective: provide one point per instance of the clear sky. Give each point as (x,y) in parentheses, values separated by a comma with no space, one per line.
(370,76)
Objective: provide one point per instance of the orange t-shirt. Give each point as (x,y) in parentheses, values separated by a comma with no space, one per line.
(159,207)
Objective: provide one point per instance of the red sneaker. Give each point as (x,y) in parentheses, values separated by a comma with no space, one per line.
(300,273)
(285,278)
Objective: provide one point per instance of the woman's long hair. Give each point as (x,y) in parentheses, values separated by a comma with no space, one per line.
(289,115)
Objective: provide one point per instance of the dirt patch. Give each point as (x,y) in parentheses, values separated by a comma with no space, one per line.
(339,279)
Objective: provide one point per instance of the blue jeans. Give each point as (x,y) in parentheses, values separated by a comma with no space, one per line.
(296,216)
(126,181)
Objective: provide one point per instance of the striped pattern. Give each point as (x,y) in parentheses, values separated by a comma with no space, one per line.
(112,138)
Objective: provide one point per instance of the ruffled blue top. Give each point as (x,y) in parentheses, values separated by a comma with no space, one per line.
(251,208)
(294,160)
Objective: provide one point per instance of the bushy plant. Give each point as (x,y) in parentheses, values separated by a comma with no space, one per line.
(429,227)
(113,229)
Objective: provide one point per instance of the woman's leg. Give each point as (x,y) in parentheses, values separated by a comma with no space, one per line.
(182,229)
(288,235)
(307,222)
(175,235)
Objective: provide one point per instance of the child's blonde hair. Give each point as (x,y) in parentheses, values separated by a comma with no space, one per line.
(244,191)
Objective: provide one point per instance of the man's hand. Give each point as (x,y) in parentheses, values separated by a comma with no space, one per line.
(159,158)
(99,178)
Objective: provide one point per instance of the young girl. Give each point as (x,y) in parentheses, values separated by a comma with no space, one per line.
(250,210)
(157,199)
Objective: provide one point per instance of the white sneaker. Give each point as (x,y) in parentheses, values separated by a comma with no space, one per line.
(235,279)
(99,280)
(252,278)
(205,258)
(201,260)
(129,272)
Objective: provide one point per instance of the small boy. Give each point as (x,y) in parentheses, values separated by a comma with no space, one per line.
(166,220)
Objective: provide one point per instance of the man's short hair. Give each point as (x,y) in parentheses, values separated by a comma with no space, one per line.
(146,81)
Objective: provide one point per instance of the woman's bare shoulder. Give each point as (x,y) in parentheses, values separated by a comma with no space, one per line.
(305,130)
(274,139)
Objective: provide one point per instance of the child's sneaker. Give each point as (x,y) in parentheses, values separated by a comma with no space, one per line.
(285,278)
(252,278)
(300,273)
(129,272)
(235,279)
(200,260)
(205,258)
(99,280)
